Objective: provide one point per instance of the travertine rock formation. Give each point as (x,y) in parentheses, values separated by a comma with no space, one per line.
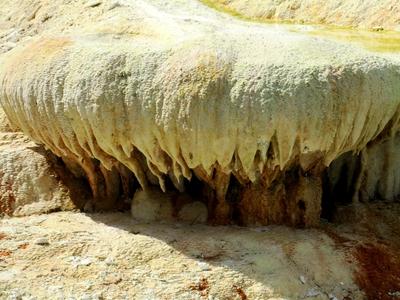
(246,117)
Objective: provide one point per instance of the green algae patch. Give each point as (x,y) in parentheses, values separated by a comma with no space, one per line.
(367,15)
(379,41)
(222,7)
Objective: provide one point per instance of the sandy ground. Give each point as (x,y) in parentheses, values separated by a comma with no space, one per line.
(94,256)
(70,255)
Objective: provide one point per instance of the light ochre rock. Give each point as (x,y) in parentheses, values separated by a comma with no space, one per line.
(177,93)
(29,183)
(4,123)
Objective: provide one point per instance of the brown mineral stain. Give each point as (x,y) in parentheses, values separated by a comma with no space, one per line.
(202,286)
(240,292)
(7,201)
(378,266)
(5,253)
(23,246)
(379,270)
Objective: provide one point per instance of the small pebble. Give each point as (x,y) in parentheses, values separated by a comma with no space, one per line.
(313,293)
(90,297)
(14,37)
(303,279)
(260,229)
(80,261)
(109,261)
(85,262)
(332,297)
(204,266)
(42,242)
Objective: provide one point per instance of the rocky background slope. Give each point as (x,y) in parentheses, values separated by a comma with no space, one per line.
(367,14)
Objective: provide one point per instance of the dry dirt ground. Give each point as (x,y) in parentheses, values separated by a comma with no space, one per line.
(70,255)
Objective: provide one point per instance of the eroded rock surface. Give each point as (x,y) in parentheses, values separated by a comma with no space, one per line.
(30,181)
(246,116)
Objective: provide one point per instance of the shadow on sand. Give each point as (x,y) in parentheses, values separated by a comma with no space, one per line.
(273,261)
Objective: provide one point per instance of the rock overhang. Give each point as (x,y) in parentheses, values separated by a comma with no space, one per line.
(255,102)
